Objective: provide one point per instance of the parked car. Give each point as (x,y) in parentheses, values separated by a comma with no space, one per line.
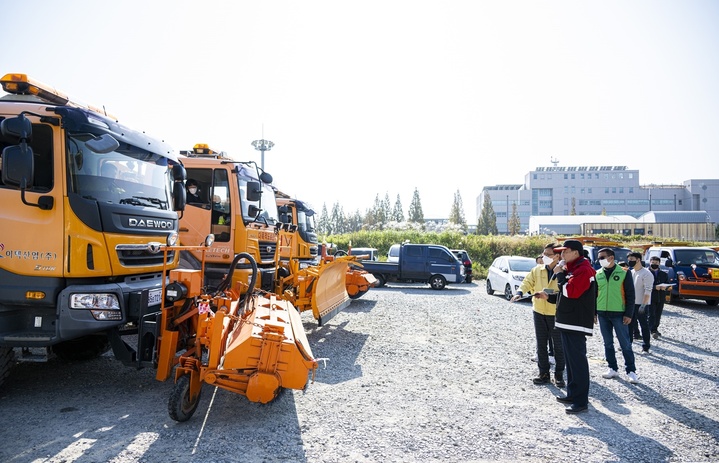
(370,253)
(466,261)
(507,273)
(393,253)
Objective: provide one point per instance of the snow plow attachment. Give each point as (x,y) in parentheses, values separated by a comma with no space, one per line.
(330,292)
(321,288)
(253,345)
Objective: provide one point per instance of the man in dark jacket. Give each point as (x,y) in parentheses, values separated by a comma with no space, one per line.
(658,296)
(576,304)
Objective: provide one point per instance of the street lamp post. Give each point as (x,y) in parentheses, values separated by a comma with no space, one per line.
(263,145)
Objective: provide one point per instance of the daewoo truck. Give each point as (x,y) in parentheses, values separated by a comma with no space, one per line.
(301,216)
(85,201)
(235,202)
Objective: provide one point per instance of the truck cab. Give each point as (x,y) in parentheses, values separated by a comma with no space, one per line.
(86,202)
(235,202)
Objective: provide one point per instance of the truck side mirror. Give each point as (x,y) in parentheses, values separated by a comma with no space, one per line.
(179,194)
(254,191)
(16,128)
(669,262)
(18,166)
(253,210)
(265,177)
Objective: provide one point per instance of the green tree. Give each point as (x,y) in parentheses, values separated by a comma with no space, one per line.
(386,210)
(323,221)
(456,214)
(487,224)
(337,219)
(415,213)
(514,224)
(354,222)
(397,212)
(574,206)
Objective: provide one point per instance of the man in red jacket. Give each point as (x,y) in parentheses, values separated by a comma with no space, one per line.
(576,306)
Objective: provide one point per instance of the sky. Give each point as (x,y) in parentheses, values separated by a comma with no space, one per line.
(384,97)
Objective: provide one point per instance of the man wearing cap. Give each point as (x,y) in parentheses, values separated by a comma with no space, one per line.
(576,304)
(615,308)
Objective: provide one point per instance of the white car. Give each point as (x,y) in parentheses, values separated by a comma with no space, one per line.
(393,254)
(507,273)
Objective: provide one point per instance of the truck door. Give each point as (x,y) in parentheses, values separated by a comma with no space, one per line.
(442,262)
(413,262)
(32,243)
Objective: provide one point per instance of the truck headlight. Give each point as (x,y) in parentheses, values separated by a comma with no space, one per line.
(102,306)
(102,301)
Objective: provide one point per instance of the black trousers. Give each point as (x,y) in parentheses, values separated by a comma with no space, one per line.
(544,331)
(575,350)
(641,321)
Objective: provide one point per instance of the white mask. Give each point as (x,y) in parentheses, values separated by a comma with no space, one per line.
(604,263)
(547,260)
(192,190)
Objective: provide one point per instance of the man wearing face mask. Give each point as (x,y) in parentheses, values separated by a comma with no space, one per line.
(541,278)
(576,305)
(643,284)
(615,307)
(192,191)
(658,296)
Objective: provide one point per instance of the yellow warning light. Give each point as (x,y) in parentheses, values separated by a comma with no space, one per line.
(21,84)
(202,148)
(37,295)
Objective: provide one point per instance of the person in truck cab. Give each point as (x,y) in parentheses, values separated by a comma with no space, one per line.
(192,191)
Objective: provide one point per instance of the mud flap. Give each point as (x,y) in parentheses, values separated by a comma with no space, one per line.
(330,291)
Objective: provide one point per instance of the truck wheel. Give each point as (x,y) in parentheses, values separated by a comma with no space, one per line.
(712,302)
(179,406)
(6,360)
(437,282)
(84,348)
(381,280)
(468,278)
(490,291)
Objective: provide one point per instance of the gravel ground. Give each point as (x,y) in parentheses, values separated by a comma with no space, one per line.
(413,375)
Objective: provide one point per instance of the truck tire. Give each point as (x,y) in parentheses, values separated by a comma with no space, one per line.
(437,282)
(7,356)
(381,280)
(84,348)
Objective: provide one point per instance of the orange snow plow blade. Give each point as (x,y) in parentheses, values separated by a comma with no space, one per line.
(329,294)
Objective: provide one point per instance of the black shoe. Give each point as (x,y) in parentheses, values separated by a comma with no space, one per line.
(559,380)
(572,409)
(564,400)
(543,378)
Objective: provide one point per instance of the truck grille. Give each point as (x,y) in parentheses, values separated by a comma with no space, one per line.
(267,250)
(143,258)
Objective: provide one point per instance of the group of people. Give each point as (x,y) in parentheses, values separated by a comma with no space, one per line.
(569,297)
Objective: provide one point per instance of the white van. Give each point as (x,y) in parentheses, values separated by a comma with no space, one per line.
(393,254)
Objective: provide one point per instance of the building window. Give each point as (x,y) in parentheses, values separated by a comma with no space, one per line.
(573,175)
(566,189)
(614,189)
(565,176)
(566,201)
(596,176)
(581,176)
(631,189)
(606,190)
(589,190)
(621,189)
(581,191)
(573,190)
(534,176)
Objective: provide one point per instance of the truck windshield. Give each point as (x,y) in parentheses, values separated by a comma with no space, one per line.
(129,175)
(696,256)
(267,204)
